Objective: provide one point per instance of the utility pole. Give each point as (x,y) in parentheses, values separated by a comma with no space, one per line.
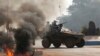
(60,7)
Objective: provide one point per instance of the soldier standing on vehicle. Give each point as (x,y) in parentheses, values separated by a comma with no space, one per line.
(57,27)
(60,27)
(54,27)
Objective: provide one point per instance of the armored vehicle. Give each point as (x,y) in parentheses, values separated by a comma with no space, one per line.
(57,38)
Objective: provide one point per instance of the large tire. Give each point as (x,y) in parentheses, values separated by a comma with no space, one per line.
(69,43)
(57,44)
(46,43)
(81,43)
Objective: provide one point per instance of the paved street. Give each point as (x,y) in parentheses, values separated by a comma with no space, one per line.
(63,51)
(92,50)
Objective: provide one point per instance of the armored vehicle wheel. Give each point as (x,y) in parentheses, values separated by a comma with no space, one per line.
(46,43)
(57,45)
(69,43)
(81,43)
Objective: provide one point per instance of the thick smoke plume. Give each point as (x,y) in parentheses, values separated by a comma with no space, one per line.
(22,37)
(29,18)
(31,12)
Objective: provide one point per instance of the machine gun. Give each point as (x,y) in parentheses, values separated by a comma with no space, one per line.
(61,24)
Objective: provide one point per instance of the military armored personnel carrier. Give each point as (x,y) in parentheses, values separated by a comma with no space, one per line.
(68,39)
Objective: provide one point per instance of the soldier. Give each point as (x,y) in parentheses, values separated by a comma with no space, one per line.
(54,23)
(48,26)
(54,27)
(60,27)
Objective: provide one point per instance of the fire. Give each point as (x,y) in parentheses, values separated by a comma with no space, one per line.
(9,52)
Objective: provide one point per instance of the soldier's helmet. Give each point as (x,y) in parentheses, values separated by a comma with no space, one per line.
(54,22)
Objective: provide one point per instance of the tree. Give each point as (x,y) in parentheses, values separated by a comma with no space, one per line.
(98,31)
(84,30)
(91,28)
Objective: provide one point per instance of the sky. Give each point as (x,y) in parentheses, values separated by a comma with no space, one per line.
(80,13)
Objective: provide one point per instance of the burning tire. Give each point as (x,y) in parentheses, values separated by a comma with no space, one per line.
(57,45)
(81,43)
(69,43)
(46,43)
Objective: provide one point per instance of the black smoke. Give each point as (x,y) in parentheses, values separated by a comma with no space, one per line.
(22,38)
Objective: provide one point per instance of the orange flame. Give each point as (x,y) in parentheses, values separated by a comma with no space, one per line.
(9,52)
